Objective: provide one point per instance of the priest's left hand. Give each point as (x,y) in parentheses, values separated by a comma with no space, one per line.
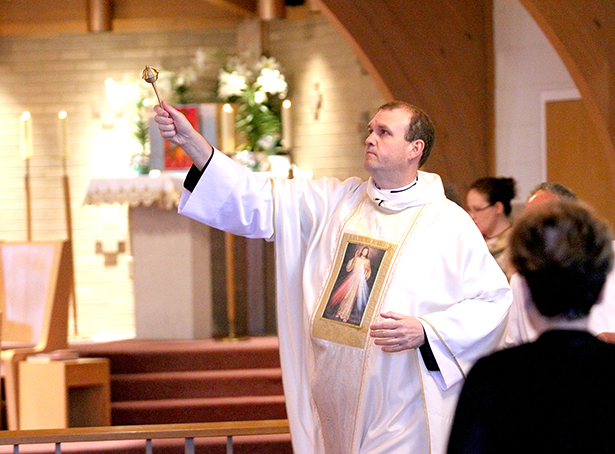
(398,333)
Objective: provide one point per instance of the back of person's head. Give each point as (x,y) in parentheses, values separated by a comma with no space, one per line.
(420,127)
(549,191)
(564,252)
(497,190)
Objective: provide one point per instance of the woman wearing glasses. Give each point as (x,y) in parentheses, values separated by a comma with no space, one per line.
(488,202)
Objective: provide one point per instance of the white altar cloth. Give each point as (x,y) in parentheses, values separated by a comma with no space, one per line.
(162,191)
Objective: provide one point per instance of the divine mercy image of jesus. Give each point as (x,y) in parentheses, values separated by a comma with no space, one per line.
(352,289)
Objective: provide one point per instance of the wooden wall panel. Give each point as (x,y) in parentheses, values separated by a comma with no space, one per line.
(437,55)
(576,158)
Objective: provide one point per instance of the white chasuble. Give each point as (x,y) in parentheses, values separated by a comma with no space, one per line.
(345,253)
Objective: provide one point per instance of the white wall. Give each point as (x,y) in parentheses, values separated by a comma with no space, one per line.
(528,71)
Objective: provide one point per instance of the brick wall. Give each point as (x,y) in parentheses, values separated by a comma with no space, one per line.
(332,98)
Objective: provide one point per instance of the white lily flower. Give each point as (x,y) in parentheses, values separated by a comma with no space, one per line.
(272,81)
(231,84)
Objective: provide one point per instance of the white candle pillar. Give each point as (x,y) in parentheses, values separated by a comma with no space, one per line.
(26,135)
(227,127)
(63,133)
(286,125)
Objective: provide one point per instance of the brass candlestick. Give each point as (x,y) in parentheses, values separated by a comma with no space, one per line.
(150,75)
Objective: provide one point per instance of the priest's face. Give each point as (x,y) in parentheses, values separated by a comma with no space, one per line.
(388,155)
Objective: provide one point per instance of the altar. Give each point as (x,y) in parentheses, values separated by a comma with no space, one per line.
(171,256)
(182,277)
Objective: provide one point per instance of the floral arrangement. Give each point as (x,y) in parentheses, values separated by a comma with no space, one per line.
(259,89)
(135,98)
(140,159)
(256,84)
(193,83)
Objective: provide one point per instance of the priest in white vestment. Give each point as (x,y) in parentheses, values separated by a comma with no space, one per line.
(385,376)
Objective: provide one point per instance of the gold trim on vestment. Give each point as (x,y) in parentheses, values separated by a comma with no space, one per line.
(420,371)
(383,234)
(327,324)
(450,352)
(412,224)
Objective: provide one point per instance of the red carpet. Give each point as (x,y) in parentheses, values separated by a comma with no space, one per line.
(188,381)
(158,382)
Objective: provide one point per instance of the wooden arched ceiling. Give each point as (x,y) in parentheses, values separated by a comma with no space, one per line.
(437,55)
(583,33)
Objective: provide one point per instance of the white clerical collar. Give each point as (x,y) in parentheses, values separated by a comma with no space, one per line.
(391,192)
(392,199)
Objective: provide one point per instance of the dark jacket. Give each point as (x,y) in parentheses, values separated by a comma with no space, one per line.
(555,395)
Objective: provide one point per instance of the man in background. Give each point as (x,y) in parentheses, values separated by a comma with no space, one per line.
(602,317)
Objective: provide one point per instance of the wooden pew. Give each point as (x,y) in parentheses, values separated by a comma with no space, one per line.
(35,291)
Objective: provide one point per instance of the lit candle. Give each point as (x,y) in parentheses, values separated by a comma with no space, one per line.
(26,135)
(63,133)
(227,135)
(286,125)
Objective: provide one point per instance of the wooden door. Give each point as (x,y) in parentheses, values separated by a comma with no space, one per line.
(576,159)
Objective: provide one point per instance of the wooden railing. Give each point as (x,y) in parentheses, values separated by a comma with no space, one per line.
(146,432)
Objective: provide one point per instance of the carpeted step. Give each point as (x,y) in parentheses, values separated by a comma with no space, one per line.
(254,444)
(169,411)
(176,381)
(196,384)
(135,356)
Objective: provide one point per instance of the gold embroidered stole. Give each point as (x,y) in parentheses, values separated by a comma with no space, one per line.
(367,253)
